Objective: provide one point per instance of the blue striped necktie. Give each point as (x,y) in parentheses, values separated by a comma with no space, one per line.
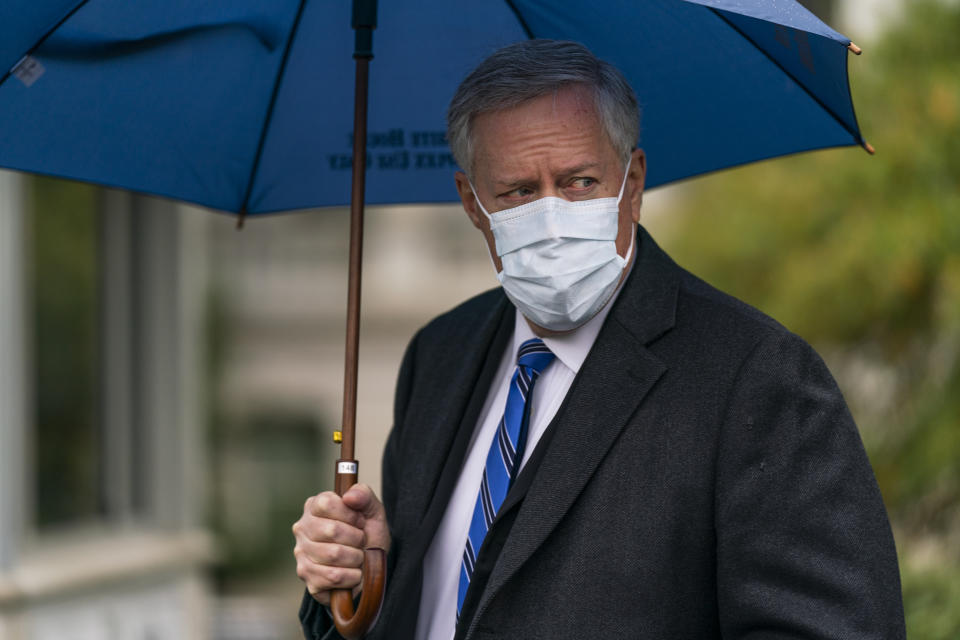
(505,455)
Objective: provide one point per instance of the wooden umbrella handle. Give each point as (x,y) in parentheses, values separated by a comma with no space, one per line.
(351,624)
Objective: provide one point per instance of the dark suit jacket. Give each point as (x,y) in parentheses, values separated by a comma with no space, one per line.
(702,479)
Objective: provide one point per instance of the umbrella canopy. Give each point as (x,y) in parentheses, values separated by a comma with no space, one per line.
(246,105)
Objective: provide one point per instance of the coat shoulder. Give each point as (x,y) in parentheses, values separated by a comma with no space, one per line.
(729,322)
(462,323)
(697,293)
(714,335)
(664,304)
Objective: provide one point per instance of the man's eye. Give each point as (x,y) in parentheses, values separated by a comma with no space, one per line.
(521,192)
(582,183)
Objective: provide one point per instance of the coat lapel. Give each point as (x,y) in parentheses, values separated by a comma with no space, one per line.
(597,407)
(441,468)
(467,374)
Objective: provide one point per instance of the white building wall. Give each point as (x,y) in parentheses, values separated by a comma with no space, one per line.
(13,387)
(136,576)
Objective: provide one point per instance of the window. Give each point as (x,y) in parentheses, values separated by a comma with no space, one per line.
(68,460)
(115,316)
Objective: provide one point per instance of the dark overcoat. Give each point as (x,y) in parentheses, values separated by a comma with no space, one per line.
(702,479)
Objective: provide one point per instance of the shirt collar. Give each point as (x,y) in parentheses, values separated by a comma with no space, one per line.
(571,348)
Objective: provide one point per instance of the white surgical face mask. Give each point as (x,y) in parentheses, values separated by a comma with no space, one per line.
(560,260)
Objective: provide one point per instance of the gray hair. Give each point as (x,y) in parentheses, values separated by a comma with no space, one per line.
(530,69)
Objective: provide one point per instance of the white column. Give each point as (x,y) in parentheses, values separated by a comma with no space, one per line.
(157,253)
(193,291)
(13,383)
(118,374)
(171,290)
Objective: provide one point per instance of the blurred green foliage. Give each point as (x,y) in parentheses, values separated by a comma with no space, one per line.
(861,256)
(931,597)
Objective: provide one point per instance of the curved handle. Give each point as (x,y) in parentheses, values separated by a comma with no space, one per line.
(351,624)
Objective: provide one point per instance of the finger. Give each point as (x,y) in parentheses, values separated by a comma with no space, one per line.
(338,577)
(330,505)
(327,553)
(320,579)
(335,531)
(323,597)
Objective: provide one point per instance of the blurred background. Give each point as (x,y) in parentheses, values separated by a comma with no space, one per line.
(169,385)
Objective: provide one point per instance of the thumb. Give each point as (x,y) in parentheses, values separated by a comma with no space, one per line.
(360,497)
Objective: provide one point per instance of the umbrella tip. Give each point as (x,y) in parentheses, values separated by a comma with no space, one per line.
(855,49)
(241,218)
(869,147)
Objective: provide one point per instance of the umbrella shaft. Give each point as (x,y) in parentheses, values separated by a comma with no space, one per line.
(356,260)
(354,624)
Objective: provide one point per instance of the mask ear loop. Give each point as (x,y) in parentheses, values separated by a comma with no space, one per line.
(629,258)
(490,218)
(477,198)
(623,186)
(633,242)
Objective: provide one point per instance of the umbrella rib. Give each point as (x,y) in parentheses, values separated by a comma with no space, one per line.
(242,213)
(520,19)
(43,39)
(856,133)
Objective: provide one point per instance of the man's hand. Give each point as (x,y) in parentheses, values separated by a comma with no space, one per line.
(331,536)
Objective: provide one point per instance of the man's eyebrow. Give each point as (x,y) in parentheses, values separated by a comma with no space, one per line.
(580,168)
(564,173)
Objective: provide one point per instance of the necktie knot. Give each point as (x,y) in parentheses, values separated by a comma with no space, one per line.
(534,355)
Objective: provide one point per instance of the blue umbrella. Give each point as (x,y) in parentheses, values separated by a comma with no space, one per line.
(243,105)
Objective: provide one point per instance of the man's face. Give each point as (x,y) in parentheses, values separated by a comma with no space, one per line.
(550,146)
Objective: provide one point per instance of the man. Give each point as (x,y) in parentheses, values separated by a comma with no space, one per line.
(605,446)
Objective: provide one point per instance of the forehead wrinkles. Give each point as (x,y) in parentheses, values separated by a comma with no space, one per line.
(556,154)
(561,129)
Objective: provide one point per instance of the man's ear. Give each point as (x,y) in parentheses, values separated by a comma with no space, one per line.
(469,199)
(636,180)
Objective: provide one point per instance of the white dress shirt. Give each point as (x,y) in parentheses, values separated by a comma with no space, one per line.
(441,564)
